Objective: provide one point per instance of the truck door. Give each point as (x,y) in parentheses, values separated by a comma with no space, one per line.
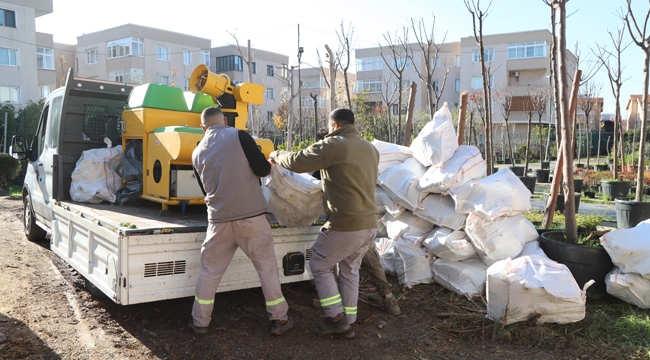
(45,166)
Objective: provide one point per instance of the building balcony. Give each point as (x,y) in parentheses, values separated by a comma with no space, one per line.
(540,63)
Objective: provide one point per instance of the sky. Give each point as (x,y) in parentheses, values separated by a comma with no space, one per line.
(273,25)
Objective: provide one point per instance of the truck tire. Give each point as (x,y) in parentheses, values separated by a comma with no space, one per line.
(94,290)
(33,232)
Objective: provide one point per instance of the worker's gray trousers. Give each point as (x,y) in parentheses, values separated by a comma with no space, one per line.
(253,236)
(345,249)
(372,265)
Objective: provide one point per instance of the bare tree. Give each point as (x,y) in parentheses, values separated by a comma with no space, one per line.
(476,103)
(397,59)
(589,102)
(343,54)
(247,59)
(615,75)
(539,97)
(640,37)
(331,82)
(389,96)
(425,38)
(478,17)
(529,109)
(504,98)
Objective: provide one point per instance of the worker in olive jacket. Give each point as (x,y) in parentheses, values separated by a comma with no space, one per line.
(348,165)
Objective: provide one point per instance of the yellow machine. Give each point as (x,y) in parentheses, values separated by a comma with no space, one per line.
(167,121)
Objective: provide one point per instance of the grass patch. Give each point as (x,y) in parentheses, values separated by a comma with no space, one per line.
(15,190)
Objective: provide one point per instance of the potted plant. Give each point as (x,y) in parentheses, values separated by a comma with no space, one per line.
(563,246)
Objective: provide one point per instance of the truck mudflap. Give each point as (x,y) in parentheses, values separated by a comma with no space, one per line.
(133,269)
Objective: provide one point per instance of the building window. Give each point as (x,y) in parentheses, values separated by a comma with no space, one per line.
(162,53)
(130,76)
(125,47)
(437,64)
(395,107)
(205,57)
(270,93)
(162,80)
(527,50)
(269,116)
(91,56)
(436,86)
(397,88)
(320,101)
(7,18)
(488,55)
(187,57)
(269,70)
(45,91)
(8,57)
(370,85)
(229,63)
(9,94)
(313,82)
(402,62)
(306,102)
(477,82)
(369,63)
(284,92)
(457,60)
(44,58)
(284,71)
(457,85)
(186,84)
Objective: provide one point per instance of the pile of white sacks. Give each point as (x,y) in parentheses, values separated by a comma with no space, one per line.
(443,220)
(629,250)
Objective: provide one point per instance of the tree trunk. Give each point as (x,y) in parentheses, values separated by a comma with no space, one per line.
(617,98)
(588,138)
(642,137)
(409,114)
(599,135)
(530,117)
(541,139)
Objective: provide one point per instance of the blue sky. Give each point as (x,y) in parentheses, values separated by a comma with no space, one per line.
(273,25)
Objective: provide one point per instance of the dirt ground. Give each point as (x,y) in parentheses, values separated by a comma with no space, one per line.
(45,313)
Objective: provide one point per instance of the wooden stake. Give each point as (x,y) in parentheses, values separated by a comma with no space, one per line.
(461,117)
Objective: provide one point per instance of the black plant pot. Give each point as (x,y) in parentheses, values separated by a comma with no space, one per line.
(577,184)
(590,194)
(542,175)
(546,165)
(585,263)
(518,170)
(559,205)
(615,189)
(630,213)
(603,167)
(529,181)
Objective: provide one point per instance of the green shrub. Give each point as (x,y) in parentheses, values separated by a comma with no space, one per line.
(9,169)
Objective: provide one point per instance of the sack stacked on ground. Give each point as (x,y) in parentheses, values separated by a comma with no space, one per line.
(629,250)
(436,142)
(391,154)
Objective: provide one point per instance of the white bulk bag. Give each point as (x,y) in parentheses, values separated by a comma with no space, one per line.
(412,263)
(466,164)
(390,154)
(294,199)
(437,141)
(94,178)
(401,183)
(386,250)
(386,204)
(499,239)
(520,289)
(465,277)
(532,248)
(630,248)
(500,194)
(408,227)
(449,244)
(629,287)
(441,211)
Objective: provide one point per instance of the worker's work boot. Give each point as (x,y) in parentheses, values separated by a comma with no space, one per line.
(197,329)
(279,327)
(335,325)
(390,304)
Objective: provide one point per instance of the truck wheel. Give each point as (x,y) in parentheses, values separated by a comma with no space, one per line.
(94,290)
(33,232)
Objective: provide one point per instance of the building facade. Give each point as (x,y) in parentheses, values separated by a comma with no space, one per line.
(634,108)
(27,60)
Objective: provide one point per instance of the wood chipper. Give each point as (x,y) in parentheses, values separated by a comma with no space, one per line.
(166,120)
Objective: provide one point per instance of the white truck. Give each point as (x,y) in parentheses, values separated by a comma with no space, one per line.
(157,260)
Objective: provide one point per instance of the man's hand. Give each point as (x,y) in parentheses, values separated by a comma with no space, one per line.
(272,156)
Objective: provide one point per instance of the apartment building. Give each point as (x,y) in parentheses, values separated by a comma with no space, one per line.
(27,61)
(518,66)
(267,68)
(138,54)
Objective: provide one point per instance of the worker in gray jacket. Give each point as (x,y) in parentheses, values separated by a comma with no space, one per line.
(228,165)
(348,164)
